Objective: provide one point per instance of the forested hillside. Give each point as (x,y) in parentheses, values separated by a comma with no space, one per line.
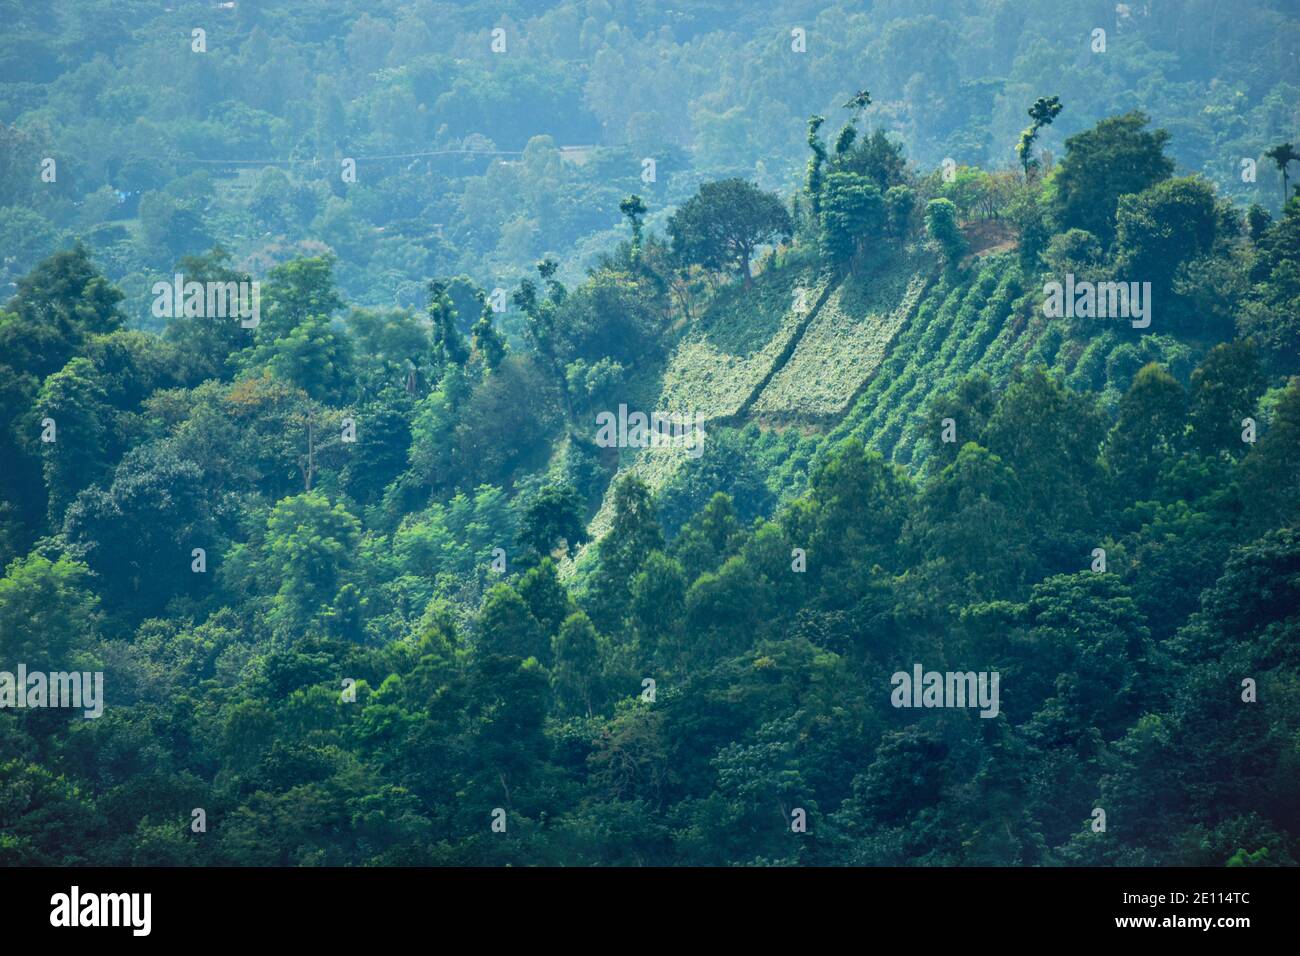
(477,153)
(378,567)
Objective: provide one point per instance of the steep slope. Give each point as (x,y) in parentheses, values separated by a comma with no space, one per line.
(841,349)
(869,358)
(745,335)
(960,326)
(795,347)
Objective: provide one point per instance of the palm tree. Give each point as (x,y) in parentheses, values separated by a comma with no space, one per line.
(1283,155)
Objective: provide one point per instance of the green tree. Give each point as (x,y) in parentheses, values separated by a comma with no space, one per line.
(971,526)
(1149,430)
(634,210)
(205,344)
(851,520)
(506,626)
(852,212)
(711,536)
(634,533)
(576,651)
(310,545)
(138,534)
(546,597)
(1269,481)
(56,306)
(1283,156)
(656,609)
(1271,314)
(1087,657)
(1161,228)
(724,223)
(813,184)
(1059,472)
(900,207)
(83,438)
(1042,113)
(1225,389)
(941,226)
(47,612)
(504,742)
(1116,157)
(540,326)
(295,291)
(552,516)
(448,343)
(489,344)
(314,357)
(382,444)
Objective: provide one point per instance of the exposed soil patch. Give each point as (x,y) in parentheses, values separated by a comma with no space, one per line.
(988,236)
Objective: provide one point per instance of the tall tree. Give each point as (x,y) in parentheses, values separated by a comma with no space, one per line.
(853,211)
(1116,157)
(488,342)
(506,626)
(813,183)
(552,516)
(1042,113)
(1283,156)
(1225,389)
(1272,310)
(942,228)
(448,344)
(633,534)
(723,224)
(577,664)
(296,291)
(1161,228)
(47,612)
(1149,430)
(633,209)
(309,545)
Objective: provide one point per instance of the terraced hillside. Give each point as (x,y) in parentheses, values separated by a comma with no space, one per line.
(871,356)
(740,342)
(841,348)
(794,348)
(987,323)
(980,324)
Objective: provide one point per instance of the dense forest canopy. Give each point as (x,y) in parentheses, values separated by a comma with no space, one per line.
(650,433)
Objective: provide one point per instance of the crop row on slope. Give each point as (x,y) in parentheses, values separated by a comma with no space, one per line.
(988,321)
(738,342)
(841,348)
(957,328)
(719,368)
(952,321)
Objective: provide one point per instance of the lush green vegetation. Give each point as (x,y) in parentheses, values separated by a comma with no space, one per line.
(362,580)
(841,348)
(461,166)
(740,342)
